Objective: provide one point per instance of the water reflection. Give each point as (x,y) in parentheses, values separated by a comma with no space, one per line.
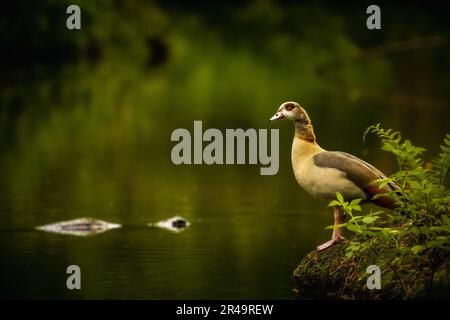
(175,224)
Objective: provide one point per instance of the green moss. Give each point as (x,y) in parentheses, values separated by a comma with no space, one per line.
(329,275)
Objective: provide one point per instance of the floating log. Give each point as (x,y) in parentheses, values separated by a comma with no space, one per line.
(79,227)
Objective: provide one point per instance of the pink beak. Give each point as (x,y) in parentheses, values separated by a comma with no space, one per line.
(277,116)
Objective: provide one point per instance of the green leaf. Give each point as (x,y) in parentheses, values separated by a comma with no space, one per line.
(334,203)
(415,230)
(348,254)
(339,197)
(417,249)
(415,185)
(370,129)
(353,228)
(370,219)
(335,226)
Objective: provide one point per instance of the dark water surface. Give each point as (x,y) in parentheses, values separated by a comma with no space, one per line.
(235,248)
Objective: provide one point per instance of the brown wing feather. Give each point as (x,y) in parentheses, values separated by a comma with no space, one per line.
(359,172)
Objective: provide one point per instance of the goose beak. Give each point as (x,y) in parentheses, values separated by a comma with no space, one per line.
(277,116)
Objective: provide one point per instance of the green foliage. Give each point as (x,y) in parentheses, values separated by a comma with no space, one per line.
(418,230)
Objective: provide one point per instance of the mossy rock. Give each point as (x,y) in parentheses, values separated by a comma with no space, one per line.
(329,275)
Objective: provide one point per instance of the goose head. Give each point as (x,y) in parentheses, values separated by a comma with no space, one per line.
(293,111)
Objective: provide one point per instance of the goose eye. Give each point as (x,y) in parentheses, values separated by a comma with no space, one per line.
(289,106)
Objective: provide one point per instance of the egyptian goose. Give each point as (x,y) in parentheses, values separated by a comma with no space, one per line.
(323,173)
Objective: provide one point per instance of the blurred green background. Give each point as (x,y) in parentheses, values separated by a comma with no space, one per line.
(86,118)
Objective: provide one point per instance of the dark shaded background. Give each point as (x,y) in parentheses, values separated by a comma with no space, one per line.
(86,118)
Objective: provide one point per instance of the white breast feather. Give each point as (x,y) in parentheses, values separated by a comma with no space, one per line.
(323,183)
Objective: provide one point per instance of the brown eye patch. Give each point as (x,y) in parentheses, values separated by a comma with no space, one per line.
(289,106)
